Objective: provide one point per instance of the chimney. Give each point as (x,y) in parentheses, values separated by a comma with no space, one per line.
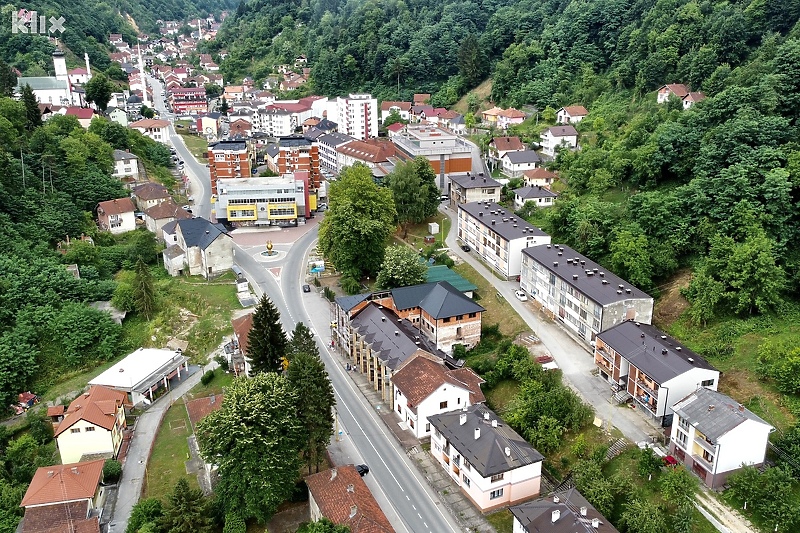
(508,451)
(353,510)
(555,516)
(741,408)
(333,474)
(486,416)
(596,523)
(351,488)
(477,433)
(494,423)
(583,511)
(75,468)
(462,419)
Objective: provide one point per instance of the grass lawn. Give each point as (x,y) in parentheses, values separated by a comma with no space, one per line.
(221,381)
(170,451)
(196,144)
(498,310)
(502,521)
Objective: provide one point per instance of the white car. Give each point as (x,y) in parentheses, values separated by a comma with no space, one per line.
(521,296)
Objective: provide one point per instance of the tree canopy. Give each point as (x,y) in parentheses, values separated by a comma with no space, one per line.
(266,342)
(402,267)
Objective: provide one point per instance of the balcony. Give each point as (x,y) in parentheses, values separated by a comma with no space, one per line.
(644,403)
(707,446)
(698,460)
(646,386)
(607,356)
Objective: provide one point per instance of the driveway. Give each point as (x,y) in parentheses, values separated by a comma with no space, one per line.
(574,358)
(129,489)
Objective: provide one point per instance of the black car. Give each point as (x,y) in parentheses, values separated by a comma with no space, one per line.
(362,470)
(466,248)
(306,288)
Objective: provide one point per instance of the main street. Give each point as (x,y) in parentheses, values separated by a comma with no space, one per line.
(405,497)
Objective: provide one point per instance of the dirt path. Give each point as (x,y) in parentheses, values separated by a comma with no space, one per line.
(727,517)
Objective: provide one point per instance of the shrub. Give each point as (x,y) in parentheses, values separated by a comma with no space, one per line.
(222,362)
(234,523)
(207,378)
(112,471)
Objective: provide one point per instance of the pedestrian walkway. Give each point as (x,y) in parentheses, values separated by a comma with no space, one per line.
(130,485)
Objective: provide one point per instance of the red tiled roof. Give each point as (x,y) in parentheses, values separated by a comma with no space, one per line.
(56,410)
(576,111)
(694,97)
(97,406)
(539,173)
(116,207)
(397,126)
(200,408)
(493,111)
(151,191)
(403,106)
(512,113)
(60,518)
(678,89)
(149,123)
(60,483)
(504,144)
(78,71)
(344,498)
(422,375)
(421,98)
(367,151)
(80,112)
(241,328)
(167,209)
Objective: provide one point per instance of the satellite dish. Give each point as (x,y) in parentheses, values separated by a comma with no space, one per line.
(209,129)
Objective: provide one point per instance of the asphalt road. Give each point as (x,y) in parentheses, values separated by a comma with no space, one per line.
(199,179)
(404,496)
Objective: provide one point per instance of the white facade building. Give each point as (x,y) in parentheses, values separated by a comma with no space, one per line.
(358,116)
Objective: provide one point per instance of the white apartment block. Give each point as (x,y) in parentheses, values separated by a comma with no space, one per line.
(358,116)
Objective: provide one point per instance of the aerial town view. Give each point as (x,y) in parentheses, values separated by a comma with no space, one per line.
(376,266)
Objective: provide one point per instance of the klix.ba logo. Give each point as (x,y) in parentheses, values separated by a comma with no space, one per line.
(24,21)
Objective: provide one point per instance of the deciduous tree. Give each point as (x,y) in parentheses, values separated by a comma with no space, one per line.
(642,516)
(266,343)
(401,267)
(253,438)
(98,90)
(416,197)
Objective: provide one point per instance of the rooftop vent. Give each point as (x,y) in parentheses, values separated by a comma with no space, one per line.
(486,416)
(583,262)
(480,213)
(508,451)
(596,523)
(516,226)
(637,324)
(548,246)
(555,516)
(678,348)
(561,248)
(396,333)
(663,337)
(556,499)
(477,433)
(589,273)
(383,319)
(642,335)
(621,286)
(583,511)
(462,419)
(691,360)
(493,221)
(494,423)
(595,270)
(559,253)
(574,276)
(351,488)
(353,510)
(663,351)
(711,408)
(555,263)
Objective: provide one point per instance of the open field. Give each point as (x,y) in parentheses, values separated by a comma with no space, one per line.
(170,451)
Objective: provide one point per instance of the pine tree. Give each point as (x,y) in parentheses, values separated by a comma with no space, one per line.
(302,341)
(307,375)
(33,117)
(266,343)
(186,511)
(7,79)
(144,292)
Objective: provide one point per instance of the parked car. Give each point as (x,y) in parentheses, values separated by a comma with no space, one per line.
(362,470)
(444,198)
(466,248)
(306,288)
(521,296)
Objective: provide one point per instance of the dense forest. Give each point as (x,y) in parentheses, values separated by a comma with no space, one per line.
(87,26)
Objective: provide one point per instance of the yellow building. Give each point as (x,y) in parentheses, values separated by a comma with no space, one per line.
(264,201)
(92,425)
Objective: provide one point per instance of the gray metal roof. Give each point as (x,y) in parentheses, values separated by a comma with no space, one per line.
(334,139)
(523,156)
(713,413)
(652,351)
(440,300)
(572,264)
(293,141)
(272,150)
(121,155)
(349,302)
(502,221)
(42,83)
(200,232)
(538,515)
(233,146)
(487,454)
(327,125)
(471,181)
(535,192)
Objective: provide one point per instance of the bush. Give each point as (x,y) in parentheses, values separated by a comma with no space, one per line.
(207,378)
(39,426)
(329,294)
(222,362)
(112,471)
(234,523)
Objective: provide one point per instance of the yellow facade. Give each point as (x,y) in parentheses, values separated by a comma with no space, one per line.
(242,212)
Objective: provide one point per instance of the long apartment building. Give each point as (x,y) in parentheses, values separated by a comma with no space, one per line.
(264,201)
(580,293)
(497,236)
(187,100)
(295,154)
(358,116)
(641,362)
(229,159)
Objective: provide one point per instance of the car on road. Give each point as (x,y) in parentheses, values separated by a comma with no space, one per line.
(362,470)
(306,288)
(444,198)
(466,248)
(521,296)
(186,207)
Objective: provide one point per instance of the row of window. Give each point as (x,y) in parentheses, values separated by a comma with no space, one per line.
(459,317)
(78,430)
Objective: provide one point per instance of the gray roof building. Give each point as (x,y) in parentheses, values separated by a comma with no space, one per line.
(536,192)
(500,220)
(590,278)
(122,155)
(487,442)
(471,181)
(652,351)
(42,83)
(714,413)
(334,139)
(440,300)
(523,156)
(200,232)
(232,146)
(562,512)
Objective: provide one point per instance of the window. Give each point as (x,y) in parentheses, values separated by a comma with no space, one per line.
(459,317)
(411,423)
(684,424)
(681,437)
(459,401)
(446,320)
(442,405)
(427,428)
(707,383)
(75,430)
(497,477)
(90,428)
(495,494)
(466,480)
(473,315)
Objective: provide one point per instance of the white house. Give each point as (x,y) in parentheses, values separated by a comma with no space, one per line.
(559,137)
(156,129)
(116,216)
(580,293)
(571,114)
(125,164)
(424,386)
(92,425)
(714,435)
(516,163)
(497,236)
(402,108)
(541,196)
(665,91)
(491,463)
(206,249)
(539,176)
(469,187)
(640,361)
